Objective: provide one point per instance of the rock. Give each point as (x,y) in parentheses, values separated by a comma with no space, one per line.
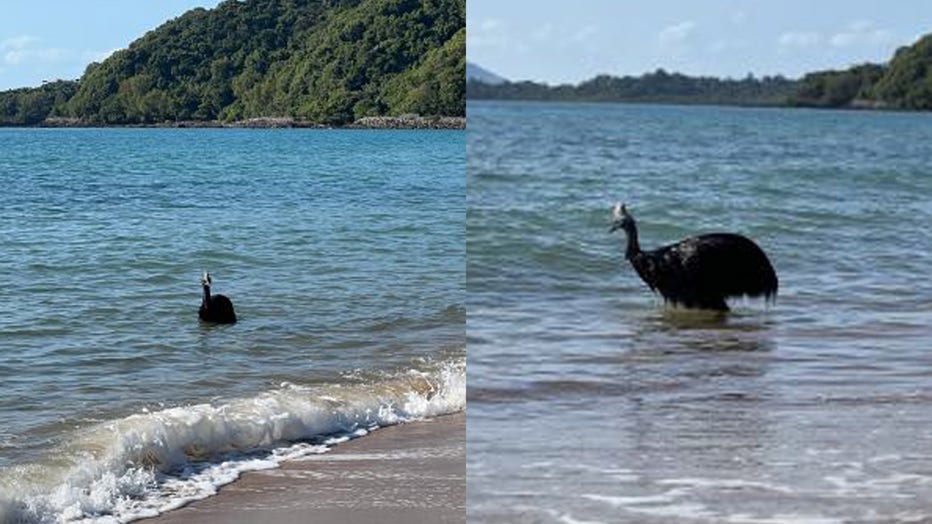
(409,122)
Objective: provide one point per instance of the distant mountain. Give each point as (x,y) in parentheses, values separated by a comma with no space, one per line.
(478,74)
(324,61)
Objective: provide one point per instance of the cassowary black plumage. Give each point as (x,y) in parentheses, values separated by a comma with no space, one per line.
(700,272)
(215,308)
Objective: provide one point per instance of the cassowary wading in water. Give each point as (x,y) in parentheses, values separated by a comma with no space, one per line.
(215,308)
(700,272)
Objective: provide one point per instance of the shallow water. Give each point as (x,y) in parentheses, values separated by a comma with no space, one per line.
(593,402)
(343,252)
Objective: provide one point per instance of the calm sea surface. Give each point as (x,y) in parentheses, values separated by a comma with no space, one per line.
(592,402)
(343,252)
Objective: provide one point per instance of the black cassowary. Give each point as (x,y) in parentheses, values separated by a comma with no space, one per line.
(215,308)
(700,272)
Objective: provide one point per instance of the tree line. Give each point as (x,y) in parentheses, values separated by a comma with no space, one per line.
(325,61)
(658,86)
(905,82)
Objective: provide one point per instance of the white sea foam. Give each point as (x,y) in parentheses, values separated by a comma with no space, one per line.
(679,503)
(148,463)
(624,501)
(566,518)
(726,484)
(781,518)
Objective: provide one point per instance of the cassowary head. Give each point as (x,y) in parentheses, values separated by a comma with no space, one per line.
(621,219)
(205,279)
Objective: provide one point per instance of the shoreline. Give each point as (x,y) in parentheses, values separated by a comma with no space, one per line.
(380,122)
(846,108)
(408,473)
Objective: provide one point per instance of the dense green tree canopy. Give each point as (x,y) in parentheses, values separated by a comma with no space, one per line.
(659,86)
(907,80)
(903,83)
(837,88)
(30,106)
(327,61)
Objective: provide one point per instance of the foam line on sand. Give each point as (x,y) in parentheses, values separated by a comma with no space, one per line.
(408,473)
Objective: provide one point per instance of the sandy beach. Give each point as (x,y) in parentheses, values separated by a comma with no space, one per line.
(410,473)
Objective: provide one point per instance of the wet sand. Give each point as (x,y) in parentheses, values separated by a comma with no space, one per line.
(410,473)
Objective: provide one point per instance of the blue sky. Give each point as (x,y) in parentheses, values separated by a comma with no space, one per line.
(48,39)
(560,41)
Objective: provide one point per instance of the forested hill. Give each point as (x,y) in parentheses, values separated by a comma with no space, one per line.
(903,83)
(324,61)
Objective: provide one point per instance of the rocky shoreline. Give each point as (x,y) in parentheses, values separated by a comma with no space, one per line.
(372,122)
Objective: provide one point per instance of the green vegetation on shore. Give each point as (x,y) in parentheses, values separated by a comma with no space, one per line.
(659,86)
(29,106)
(903,83)
(323,61)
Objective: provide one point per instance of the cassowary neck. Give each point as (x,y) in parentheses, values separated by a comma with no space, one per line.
(633,247)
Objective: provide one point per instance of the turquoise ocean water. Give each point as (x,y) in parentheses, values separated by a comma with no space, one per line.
(343,252)
(592,402)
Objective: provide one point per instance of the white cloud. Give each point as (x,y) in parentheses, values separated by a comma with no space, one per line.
(22,49)
(17,42)
(543,32)
(14,57)
(676,33)
(495,35)
(491,24)
(561,36)
(799,39)
(489,33)
(46,56)
(859,33)
(29,59)
(719,46)
(583,34)
(738,17)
